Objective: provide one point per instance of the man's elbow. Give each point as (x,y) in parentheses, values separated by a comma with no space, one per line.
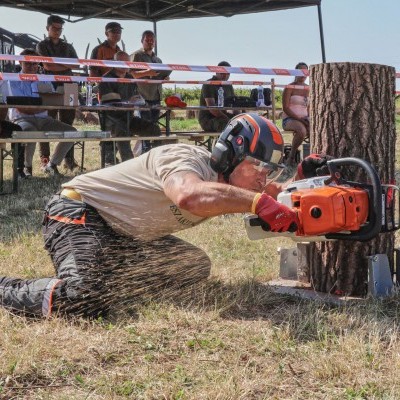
(189,202)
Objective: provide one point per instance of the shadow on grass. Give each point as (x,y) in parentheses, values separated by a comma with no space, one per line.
(22,212)
(303,320)
(291,318)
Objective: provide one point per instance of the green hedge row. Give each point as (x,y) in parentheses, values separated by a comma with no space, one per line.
(192,95)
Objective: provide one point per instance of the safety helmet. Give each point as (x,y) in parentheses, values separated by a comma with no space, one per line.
(247,135)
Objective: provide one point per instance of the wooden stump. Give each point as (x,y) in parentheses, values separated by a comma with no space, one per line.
(352,114)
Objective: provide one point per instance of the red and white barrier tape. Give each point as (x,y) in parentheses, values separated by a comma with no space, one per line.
(9,76)
(161,67)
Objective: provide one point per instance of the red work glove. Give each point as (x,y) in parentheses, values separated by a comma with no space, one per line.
(313,165)
(275,216)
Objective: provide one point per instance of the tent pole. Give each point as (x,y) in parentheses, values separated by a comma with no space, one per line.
(321,33)
(155,35)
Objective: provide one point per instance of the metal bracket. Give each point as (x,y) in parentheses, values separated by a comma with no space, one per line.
(288,263)
(380,277)
(294,263)
(397,264)
(380,281)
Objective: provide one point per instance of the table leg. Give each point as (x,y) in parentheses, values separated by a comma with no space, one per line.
(167,122)
(1,170)
(102,155)
(14,151)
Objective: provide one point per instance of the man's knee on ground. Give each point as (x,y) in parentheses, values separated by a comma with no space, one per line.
(75,297)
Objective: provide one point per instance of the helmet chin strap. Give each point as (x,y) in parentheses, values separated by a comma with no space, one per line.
(226,176)
(229,171)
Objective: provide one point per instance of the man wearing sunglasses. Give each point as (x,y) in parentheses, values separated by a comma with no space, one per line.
(107,49)
(36,119)
(109,232)
(54,46)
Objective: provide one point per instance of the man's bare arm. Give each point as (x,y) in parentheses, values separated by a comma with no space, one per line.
(143,73)
(56,67)
(210,103)
(206,199)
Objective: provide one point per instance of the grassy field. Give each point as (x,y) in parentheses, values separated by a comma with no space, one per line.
(233,339)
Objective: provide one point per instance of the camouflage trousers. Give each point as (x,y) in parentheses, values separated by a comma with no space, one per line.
(97,268)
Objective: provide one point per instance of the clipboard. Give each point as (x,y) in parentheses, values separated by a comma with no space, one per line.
(162,74)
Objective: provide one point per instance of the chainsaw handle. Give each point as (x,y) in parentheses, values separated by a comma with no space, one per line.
(257,221)
(373,227)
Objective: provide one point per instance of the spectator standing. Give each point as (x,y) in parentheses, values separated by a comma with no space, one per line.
(152,93)
(107,49)
(215,120)
(54,46)
(295,113)
(117,121)
(36,119)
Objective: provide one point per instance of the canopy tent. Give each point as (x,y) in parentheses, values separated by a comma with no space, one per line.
(160,10)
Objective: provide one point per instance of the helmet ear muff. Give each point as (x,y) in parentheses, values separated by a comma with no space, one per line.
(221,157)
(222,154)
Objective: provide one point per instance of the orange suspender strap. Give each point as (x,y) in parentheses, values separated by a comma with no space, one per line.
(47,306)
(67,220)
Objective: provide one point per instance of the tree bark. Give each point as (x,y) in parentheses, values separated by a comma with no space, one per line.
(352,114)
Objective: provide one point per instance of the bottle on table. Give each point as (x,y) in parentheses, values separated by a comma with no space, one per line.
(89,94)
(221,97)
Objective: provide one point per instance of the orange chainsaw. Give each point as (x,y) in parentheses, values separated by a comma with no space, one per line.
(331,207)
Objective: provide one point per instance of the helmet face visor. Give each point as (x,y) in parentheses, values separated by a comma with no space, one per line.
(271,172)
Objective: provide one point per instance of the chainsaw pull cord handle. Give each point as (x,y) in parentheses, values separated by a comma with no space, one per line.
(372,229)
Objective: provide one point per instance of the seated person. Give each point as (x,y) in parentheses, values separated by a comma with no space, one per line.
(36,119)
(215,120)
(7,128)
(117,121)
(295,113)
(54,46)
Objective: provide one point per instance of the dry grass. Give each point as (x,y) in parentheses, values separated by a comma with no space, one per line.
(233,338)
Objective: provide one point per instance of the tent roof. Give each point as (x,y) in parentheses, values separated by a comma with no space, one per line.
(153,10)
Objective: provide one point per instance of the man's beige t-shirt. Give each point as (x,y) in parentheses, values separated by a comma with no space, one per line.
(130,196)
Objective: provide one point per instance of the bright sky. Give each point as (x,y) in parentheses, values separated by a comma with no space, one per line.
(354,30)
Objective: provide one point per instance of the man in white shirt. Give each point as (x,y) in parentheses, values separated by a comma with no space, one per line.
(109,232)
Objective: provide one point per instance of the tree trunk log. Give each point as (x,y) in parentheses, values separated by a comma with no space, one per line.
(352,114)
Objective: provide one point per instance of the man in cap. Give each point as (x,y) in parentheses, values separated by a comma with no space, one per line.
(107,49)
(214,120)
(109,231)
